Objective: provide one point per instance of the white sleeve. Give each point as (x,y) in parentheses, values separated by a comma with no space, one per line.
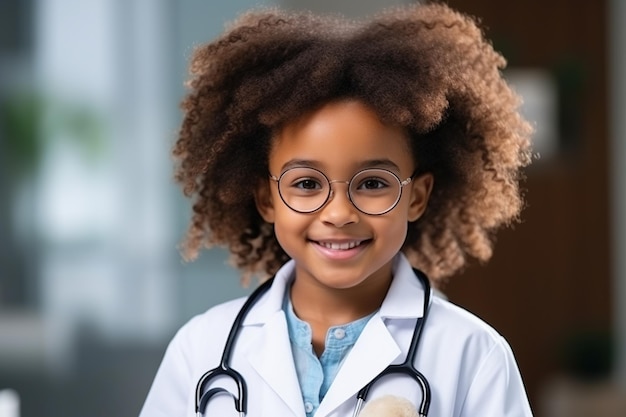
(169,394)
(497,389)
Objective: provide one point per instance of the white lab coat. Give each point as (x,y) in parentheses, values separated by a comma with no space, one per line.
(470,367)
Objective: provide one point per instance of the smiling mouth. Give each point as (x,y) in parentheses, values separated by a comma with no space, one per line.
(341,245)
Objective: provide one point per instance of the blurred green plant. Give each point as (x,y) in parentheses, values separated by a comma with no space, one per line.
(31,122)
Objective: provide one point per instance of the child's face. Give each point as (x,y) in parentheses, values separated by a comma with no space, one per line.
(339,246)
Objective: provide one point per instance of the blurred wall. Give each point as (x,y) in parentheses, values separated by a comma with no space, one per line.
(549,288)
(91,283)
(348,8)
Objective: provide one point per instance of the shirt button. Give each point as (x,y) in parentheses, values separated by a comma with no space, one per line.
(339,333)
(308,407)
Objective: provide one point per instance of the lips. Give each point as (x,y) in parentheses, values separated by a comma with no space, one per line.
(340,245)
(341,249)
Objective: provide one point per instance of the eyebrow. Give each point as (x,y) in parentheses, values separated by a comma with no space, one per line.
(370,163)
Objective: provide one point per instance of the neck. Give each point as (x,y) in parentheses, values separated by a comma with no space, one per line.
(323,307)
(316,303)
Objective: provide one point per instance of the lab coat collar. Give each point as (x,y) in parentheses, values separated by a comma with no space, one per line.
(404,299)
(272,302)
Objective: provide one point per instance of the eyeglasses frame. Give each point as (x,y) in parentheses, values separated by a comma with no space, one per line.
(348,194)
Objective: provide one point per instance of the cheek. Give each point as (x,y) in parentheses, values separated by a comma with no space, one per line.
(393,232)
(289,227)
(400,230)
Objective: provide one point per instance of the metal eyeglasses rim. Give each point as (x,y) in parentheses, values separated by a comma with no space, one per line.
(402,183)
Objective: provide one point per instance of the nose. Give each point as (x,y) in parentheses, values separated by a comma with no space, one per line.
(339,210)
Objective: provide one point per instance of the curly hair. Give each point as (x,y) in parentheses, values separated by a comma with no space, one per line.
(424,67)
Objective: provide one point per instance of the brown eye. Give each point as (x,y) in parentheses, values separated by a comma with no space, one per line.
(307,184)
(372,184)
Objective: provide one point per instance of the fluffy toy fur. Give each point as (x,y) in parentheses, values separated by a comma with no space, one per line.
(389,406)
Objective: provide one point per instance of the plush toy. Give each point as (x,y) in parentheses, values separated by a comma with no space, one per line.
(389,406)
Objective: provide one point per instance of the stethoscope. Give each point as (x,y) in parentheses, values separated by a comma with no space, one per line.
(241,405)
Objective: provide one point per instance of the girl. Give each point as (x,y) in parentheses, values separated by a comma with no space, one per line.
(335,156)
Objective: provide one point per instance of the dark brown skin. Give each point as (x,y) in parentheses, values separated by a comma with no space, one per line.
(424,68)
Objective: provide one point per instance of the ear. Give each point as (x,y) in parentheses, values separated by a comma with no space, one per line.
(264,201)
(420,192)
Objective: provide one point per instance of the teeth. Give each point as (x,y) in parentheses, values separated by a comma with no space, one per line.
(340,246)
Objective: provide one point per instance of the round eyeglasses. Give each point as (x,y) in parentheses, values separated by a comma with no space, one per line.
(372,191)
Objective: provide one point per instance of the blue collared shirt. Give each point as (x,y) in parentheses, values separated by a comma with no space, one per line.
(315,375)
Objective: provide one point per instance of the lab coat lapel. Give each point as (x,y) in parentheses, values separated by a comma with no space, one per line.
(271,357)
(373,352)
(377,348)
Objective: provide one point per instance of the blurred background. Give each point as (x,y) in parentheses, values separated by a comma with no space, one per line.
(92,286)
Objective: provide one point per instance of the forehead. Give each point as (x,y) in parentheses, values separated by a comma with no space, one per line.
(341,136)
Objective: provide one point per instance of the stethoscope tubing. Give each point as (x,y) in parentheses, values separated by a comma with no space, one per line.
(241,401)
(407,367)
(241,405)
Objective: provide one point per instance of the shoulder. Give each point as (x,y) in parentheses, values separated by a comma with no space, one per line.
(461,334)
(216,317)
(205,334)
(211,328)
(476,358)
(487,374)
(196,347)
(223,310)
(459,321)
